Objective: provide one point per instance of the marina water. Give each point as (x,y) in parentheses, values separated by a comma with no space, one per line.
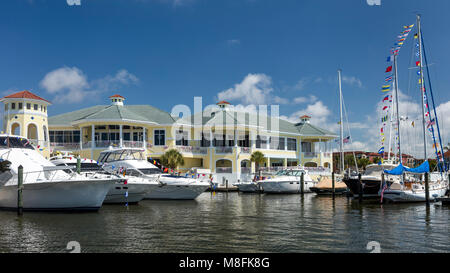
(234,222)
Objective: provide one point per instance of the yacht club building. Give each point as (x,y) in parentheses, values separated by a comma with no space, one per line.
(220,139)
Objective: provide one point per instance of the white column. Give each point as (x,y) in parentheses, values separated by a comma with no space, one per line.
(285,143)
(320,152)
(93,140)
(299,149)
(144,136)
(121,135)
(81,138)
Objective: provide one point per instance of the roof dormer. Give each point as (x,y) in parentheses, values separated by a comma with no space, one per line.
(117,100)
(223,104)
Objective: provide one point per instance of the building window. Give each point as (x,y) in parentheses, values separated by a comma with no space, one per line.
(261,142)
(160,137)
(36,107)
(29,106)
(127,136)
(100,127)
(114,127)
(292,144)
(45,108)
(63,136)
(182,138)
(205,142)
(138,136)
(20,106)
(277,143)
(306,147)
(13,106)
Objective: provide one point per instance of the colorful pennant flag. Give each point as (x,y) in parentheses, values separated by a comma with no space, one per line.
(389,69)
(386,98)
(388,78)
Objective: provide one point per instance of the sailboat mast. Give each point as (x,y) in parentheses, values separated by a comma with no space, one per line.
(390,130)
(397,108)
(422,87)
(341,142)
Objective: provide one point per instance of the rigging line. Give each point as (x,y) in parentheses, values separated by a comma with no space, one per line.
(349,134)
(434,107)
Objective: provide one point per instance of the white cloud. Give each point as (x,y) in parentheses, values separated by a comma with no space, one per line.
(234,42)
(352,81)
(254,89)
(70,85)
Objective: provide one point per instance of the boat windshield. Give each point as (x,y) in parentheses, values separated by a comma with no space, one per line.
(122,155)
(290,172)
(15,142)
(376,170)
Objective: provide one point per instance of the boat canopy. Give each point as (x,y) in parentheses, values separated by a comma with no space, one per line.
(423,168)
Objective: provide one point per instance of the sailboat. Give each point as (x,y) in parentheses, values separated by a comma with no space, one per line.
(325,187)
(417,184)
(371,178)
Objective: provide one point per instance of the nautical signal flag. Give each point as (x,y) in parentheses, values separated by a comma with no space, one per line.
(410,26)
(381,150)
(386,88)
(384,119)
(390,58)
(386,98)
(412,123)
(418,64)
(389,69)
(346,140)
(386,107)
(416,36)
(388,78)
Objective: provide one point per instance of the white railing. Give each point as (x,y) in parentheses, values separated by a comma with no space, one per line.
(38,143)
(224,150)
(224,170)
(65,146)
(245,150)
(192,149)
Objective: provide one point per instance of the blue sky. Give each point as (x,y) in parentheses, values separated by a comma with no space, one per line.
(164,52)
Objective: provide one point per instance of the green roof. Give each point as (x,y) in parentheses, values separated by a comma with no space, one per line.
(139,113)
(229,117)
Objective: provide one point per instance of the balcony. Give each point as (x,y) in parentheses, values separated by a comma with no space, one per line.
(192,149)
(224,150)
(65,146)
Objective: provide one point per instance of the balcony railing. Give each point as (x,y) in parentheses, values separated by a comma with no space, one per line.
(245,150)
(65,145)
(224,170)
(224,150)
(192,149)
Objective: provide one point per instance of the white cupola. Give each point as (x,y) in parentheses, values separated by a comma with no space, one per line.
(117,100)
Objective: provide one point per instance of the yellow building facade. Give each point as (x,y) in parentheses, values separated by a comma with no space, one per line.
(220,139)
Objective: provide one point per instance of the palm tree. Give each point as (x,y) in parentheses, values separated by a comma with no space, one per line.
(172,159)
(259,159)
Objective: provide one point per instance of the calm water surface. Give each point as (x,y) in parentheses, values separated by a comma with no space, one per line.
(234,222)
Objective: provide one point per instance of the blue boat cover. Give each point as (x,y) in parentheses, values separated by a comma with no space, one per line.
(423,168)
(397,171)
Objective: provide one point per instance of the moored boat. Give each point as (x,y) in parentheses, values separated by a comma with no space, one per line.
(46,186)
(288,181)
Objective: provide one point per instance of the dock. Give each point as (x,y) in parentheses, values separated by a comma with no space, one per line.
(444,200)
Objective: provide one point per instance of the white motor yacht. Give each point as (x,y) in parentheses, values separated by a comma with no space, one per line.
(46,186)
(248,186)
(130,189)
(134,163)
(288,181)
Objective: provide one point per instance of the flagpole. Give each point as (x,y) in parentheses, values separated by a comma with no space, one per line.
(422,88)
(341,123)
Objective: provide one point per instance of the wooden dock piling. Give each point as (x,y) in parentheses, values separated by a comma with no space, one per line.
(360,188)
(427,190)
(20,190)
(302,183)
(333,183)
(78,165)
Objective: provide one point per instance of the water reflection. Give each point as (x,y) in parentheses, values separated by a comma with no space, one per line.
(233,222)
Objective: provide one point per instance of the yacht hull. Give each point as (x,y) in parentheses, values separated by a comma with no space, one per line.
(400,196)
(128,193)
(177,192)
(57,195)
(370,187)
(248,187)
(286,187)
